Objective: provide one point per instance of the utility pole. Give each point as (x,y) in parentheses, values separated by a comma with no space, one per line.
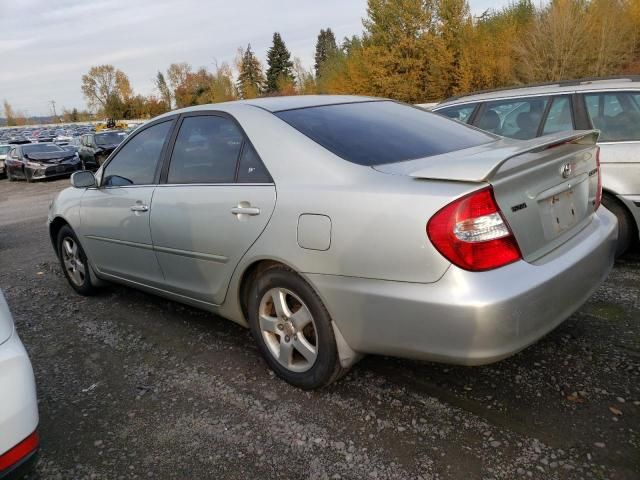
(53,108)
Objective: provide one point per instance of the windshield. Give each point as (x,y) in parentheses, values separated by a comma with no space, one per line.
(380,132)
(41,147)
(109,138)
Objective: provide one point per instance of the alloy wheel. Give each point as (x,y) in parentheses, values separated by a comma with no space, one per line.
(288,329)
(72,263)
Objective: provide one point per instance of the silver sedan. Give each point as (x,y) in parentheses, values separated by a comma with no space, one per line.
(337,226)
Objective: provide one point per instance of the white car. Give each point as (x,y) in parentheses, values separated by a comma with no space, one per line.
(4,149)
(19,439)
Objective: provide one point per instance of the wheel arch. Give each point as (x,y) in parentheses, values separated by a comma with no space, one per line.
(346,354)
(249,274)
(54,229)
(615,198)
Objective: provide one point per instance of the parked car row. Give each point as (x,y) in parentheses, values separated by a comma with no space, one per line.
(36,161)
(43,134)
(611,106)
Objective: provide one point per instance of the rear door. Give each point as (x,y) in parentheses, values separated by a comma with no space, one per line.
(115,216)
(214,204)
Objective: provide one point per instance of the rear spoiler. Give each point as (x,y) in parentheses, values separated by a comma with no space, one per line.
(478,164)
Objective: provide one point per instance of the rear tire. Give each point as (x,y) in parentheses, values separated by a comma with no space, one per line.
(293,329)
(627,232)
(74,262)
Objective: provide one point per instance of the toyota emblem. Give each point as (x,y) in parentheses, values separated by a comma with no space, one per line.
(566,170)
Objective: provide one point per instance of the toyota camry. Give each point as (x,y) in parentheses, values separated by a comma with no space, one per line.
(36,161)
(337,226)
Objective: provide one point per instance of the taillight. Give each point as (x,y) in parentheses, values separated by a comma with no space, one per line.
(19,452)
(599,187)
(472,233)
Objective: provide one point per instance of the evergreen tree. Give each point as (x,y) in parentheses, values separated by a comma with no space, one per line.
(280,70)
(163,88)
(250,78)
(325,47)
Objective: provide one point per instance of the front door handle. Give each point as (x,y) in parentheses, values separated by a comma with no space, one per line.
(245,211)
(140,208)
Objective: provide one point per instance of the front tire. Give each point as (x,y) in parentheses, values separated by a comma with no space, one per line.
(74,262)
(627,232)
(9,176)
(293,329)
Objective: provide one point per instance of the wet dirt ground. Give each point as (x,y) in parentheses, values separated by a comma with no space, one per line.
(134,386)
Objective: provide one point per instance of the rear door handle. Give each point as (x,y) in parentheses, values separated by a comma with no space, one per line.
(245,211)
(140,208)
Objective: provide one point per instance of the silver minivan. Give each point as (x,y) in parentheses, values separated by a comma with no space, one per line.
(611,105)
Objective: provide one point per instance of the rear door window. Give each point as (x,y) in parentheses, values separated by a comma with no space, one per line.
(615,114)
(462,113)
(513,118)
(251,168)
(559,117)
(206,151)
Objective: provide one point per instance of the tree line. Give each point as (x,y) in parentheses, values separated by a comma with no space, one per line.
(410,50)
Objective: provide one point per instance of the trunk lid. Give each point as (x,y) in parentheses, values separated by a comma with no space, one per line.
(545,187)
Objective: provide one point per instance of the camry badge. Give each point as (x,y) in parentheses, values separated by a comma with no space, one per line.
(566,170)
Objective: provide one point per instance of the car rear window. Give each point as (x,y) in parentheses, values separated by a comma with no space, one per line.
(381,132)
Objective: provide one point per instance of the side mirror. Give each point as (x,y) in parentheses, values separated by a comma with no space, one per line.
(83,179)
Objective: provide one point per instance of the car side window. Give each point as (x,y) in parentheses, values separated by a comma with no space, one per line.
(251,169)
(461,113)
(206,151)
(136,162)
(513,118)
(615,114)
(559,117)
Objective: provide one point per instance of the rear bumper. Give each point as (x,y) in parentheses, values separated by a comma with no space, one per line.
(20,469)
(472,318)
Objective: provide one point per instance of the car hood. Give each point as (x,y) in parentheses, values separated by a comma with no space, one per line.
(47,157)
(109,147)
(6,320)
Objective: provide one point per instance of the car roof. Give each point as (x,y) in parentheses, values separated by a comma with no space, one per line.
(277,104)
(585,84)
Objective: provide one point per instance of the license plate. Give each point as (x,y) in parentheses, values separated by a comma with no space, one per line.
(563,208)
(561,212)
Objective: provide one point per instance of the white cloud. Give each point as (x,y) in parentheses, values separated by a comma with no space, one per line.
(47,46)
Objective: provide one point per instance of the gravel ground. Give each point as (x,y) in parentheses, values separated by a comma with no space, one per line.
(134,386)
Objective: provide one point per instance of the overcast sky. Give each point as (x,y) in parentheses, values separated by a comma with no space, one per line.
(47,45)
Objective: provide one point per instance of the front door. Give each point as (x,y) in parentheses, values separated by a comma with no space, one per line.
(216,202)
(115,216)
